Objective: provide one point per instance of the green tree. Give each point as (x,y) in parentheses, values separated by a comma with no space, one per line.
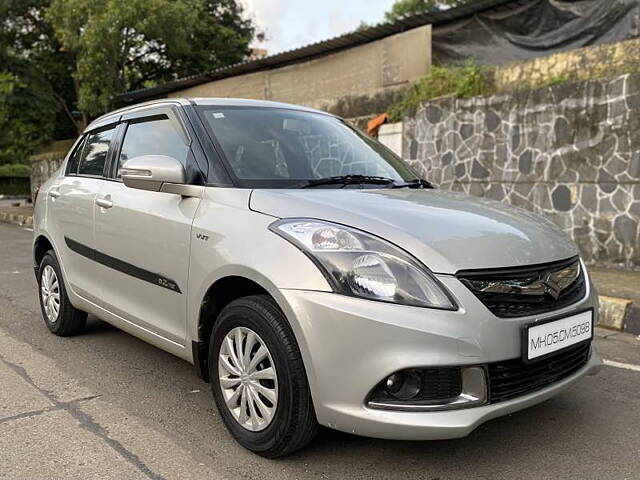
(120,46)
(406,8)
(27,113)
(36,93)
(61,61)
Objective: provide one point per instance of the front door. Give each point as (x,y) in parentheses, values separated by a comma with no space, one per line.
(143,238)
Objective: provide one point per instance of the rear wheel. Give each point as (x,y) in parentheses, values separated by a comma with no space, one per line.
(258,378)
(59,315)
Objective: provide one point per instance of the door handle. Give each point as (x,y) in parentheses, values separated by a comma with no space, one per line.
(104,203)
(54,193)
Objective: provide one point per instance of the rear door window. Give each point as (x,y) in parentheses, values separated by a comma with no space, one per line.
(152,137)
(95,153)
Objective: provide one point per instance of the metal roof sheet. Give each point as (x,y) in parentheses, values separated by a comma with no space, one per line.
(347,40)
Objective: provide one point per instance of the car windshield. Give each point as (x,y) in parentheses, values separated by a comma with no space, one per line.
(283,148)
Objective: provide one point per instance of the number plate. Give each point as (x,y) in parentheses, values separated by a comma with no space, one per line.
(546,338)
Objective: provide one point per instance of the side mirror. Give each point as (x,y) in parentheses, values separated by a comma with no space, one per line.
(158,173)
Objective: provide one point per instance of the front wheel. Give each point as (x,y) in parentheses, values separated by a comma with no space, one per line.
(258,379)
(61,318)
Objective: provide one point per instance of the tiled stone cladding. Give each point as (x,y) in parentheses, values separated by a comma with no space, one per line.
(570,152)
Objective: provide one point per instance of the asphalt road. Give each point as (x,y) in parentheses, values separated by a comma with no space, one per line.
(150,399)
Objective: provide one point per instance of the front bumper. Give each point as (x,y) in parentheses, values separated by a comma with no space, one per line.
(350,344)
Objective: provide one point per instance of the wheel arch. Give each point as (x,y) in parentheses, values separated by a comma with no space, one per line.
(220,293)
(236,283)
(41,245)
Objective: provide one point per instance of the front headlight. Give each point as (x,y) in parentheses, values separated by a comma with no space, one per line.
(361,265)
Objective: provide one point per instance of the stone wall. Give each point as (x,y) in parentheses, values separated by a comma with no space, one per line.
(42,167)
(580,64)
(570,151)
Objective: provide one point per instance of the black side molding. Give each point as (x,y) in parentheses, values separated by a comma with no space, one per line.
(122,266)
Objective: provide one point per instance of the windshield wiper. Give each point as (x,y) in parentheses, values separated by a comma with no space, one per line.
(347,180)
(415,183)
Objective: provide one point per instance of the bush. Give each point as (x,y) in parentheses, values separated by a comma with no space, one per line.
(15,170)
(553,80)
(461,82)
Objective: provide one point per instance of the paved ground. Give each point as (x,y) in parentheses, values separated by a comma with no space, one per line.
(617,283)
(12,203)
(18,210)
(106,405)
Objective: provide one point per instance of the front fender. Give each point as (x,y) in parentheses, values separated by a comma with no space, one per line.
(229,239)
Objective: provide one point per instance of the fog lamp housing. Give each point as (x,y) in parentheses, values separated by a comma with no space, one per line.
(404,385)
(429,389)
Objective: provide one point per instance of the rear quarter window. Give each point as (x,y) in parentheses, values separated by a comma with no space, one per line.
(74,160)
(94,155)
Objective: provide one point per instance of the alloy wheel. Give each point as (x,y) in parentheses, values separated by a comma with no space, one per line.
(248,379)
(50,291)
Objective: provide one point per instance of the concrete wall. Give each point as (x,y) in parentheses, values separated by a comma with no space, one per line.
(571,152)
(391,135)
(328,82)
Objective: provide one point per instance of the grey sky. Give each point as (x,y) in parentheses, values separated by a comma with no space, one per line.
(294,23)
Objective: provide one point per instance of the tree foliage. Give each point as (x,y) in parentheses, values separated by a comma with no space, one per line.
(61,61)
(27,113)
(122,46)
(406,8)
(37,88)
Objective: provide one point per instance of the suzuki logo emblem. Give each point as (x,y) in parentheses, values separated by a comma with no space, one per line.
(551,286)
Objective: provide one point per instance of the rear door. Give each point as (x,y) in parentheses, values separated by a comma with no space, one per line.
(142,237)
(71,211)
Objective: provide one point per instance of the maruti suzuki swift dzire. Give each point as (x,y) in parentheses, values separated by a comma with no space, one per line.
(309,274)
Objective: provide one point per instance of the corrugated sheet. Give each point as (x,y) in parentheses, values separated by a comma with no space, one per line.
(324,47)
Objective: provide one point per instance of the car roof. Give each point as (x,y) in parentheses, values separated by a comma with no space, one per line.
(206,101)
(245,102)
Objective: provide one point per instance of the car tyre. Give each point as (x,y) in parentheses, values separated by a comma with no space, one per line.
(61,318)
(293,423)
